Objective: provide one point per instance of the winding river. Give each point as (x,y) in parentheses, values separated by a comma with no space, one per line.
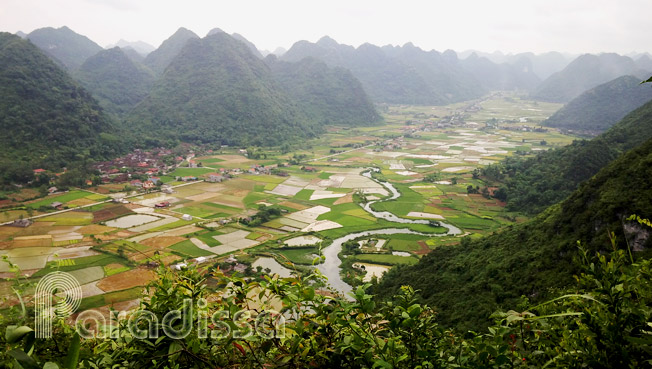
(331,266)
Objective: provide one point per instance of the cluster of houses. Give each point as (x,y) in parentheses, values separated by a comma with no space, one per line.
(139,162)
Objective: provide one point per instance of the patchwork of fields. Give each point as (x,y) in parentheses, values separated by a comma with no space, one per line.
(113,248)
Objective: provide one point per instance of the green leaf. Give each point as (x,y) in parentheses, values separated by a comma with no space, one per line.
(50,365)
(14,334)
(382,364)
(24,360)
(73,352)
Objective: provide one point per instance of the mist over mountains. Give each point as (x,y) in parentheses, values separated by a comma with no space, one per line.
(222,88)
(394,74)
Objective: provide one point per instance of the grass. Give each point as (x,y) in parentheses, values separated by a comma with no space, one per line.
(208,239)
(395,244)
(190,172)
(65,242)
(205,161)
(177,224)
(304,195)
(253,235)
(299,255)
(386,259)
(70,218)
(110,270)
(188,249)
(80,263)
(253,197)
(195,211)
(63,198)
(410,200)
(419,161)
(264,178)
(128,246)
(222,207)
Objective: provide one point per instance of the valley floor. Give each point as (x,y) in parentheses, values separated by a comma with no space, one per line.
(428,154)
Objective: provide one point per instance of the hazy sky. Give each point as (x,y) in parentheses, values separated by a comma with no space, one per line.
(575,26)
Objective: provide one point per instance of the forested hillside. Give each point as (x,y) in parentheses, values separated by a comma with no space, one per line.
(115,80)
(394,75)
(47,119)
(537,182)
(64,45)
(217,91)
(326,95)
(599,108)
(466,283)
(160,58)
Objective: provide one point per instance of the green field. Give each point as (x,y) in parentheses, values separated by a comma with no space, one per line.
(66,197)
(188,249)
(80,263)
(190,172)
(386,259)
(296,255)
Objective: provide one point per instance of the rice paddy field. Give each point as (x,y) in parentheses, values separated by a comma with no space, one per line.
(113,248)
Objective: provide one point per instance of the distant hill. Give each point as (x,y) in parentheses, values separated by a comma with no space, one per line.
(584,73)
(601,107)
(502,76)
(543,65)
(249,44)
(216,91)
(141,47)
(21,34)
(394,74)
(134,55)
(115,80)
(644,62)
(326,95)
(47,119)
(279,51)
(409,75)
(64,45)
(537,182)
(160,58)
(466,283)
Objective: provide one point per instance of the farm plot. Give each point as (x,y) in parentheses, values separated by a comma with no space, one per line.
(303,241)
(285,190)
(74,252)
(188,248)
(151,201)
(130,221)
(70,218)
(110,212)
(371,270)
(87,275)
(156,224)
(32,241)
(126,280)
(28,258)
(233,241)
(66,198)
